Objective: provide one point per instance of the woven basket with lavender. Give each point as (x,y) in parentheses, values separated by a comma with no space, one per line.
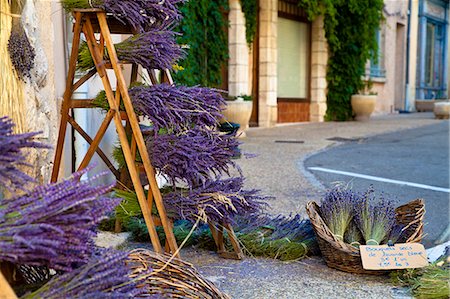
(346,219)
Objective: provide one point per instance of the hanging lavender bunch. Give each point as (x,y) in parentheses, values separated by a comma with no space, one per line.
(337,209)
(103,276)
(21,52)
(375,217)
(154,49)
(219,200)
(191,156)
(178,107)
(140,14)
(12,156)
(54,224)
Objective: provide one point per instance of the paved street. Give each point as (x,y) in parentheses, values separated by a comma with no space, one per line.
(419,156)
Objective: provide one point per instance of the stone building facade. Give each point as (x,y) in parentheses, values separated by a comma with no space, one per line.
(398,76)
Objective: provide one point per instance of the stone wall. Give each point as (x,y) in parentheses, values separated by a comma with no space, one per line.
(238,62)
(391,87)
(43,23)
(319,60)
(268,63)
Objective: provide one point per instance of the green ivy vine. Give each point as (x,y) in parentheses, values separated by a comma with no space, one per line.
(203,29)
(350,27)
(250,10)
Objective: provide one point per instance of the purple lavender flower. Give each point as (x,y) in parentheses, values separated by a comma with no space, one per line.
(12,156)
(21,52)
(103,276)
(139,14)
(192,156)
(353,235)
(219,200)
(178,107)
(396,235)
(337,209)
(54,224)
(375,217)
(154,49)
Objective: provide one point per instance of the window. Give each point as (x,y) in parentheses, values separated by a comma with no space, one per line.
(293,59)
(376,68)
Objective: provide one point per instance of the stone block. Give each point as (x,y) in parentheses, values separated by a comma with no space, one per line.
(318,83)
(318,95)
(319,58)
(319,46)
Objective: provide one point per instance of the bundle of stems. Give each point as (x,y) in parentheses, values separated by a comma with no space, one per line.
(154,49)
(337,209)
(140,14)
(53,225)
(105,275)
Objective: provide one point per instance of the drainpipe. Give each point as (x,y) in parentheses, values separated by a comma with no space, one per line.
(408,38)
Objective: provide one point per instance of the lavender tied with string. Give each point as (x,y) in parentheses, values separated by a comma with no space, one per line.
(178,107)
(375,217)
(192,156)
(105,275)
(219,200)
(53,225)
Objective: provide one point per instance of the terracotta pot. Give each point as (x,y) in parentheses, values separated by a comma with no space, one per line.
(363,106)
(239,112)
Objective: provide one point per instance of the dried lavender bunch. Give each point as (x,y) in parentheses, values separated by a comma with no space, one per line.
(21,52)
(353,235)
(375,217)
(291,227)
(12,156)
(219,200)
(178,107)
(396,234)
(192,156)
(140,14)
(54,224)
(337,209)
(155,49)
(105,275)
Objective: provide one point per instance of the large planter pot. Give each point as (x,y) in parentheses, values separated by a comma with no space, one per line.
(363,106)
(239,112)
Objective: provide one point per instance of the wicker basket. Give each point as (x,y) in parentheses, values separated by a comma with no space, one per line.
(344,257)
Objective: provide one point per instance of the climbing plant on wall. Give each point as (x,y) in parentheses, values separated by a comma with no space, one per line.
(250,10)
(204,32)
(350,31)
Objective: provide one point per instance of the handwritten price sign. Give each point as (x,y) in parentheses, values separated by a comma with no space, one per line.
(399,256)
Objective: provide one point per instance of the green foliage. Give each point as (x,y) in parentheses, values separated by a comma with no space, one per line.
(250,10)
(350,28)
(430,282)
(257,241)
(69,5)
(204,32)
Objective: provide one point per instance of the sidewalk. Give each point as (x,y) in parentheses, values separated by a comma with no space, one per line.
(278,171)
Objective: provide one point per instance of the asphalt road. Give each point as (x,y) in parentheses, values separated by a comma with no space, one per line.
(418,156)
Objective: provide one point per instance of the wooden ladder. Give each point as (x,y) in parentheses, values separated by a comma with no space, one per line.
(89,22)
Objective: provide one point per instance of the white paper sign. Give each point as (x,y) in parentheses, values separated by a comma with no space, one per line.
(399,256)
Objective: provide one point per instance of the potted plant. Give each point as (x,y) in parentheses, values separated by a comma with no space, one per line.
(239,110)
(363,103)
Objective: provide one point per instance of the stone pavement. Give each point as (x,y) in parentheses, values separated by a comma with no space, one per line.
(278,171)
